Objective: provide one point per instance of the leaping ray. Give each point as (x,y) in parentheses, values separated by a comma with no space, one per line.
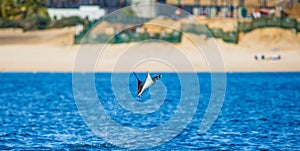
(142,86)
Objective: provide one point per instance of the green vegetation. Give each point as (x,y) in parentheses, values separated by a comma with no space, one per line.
(128,12)
(67,21)
(19,10)
(10,10)
(10,24)
(34,8)
(289,23)
(36,22)
(127,36)
(26,14)
(232,36)
(31,15)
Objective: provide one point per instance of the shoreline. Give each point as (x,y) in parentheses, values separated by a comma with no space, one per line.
(56,59)
(103,72)
(52,51)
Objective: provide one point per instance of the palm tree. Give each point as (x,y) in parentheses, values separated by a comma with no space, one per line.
(19,9)
(35,7)
(8,9)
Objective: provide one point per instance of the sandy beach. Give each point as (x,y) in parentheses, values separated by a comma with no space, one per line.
(53,51)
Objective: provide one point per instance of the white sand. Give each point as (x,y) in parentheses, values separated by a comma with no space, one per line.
(53,51)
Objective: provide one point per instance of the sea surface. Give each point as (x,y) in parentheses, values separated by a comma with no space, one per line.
(261,111)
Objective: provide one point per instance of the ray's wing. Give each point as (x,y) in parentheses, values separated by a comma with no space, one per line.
(140,86)
(140,83)
(149,82)
(156,77)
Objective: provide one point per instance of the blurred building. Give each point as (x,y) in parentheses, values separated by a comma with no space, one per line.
(108,5)
(92,9)
(227,8)
(146,11)
(112,5)
(95,8)
(90,12)
(209,8)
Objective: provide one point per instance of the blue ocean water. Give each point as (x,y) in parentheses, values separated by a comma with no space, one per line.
(261,111)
